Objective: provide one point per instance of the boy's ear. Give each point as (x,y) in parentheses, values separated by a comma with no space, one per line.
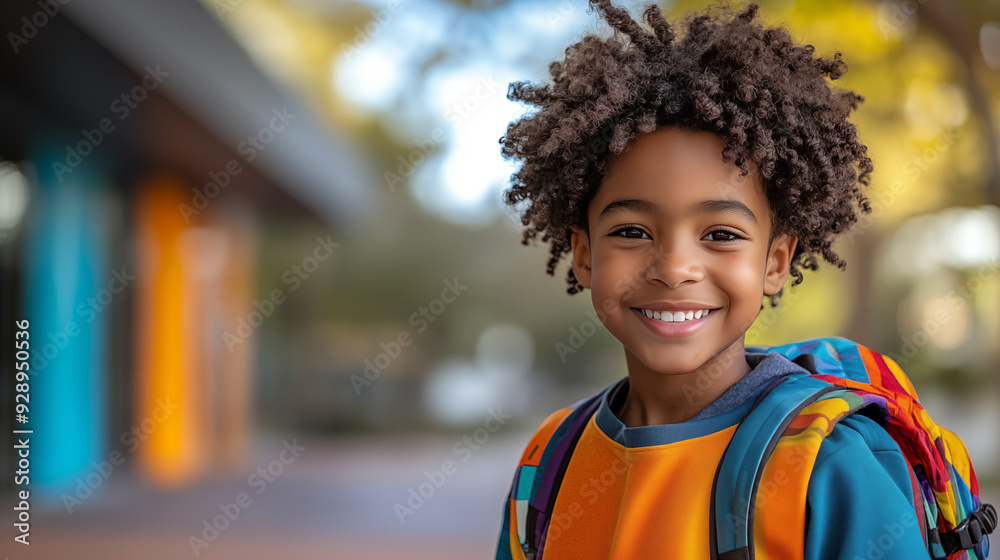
(580,242)
(779,261)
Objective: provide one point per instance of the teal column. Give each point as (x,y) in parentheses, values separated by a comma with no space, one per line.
(68,301)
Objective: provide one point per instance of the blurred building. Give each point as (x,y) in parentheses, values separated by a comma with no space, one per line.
(140,152)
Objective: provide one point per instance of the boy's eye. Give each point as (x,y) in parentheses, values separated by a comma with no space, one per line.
(630,232)
(723,235)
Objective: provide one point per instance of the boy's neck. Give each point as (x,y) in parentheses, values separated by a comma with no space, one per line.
(654,398)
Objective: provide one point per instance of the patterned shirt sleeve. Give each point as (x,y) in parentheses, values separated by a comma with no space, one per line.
(503,542)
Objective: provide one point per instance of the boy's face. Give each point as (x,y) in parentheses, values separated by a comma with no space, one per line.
(674,230)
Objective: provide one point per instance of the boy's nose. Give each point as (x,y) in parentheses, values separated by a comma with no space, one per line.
(674,265)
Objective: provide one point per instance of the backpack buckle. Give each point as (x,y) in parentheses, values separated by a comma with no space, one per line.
(970,532)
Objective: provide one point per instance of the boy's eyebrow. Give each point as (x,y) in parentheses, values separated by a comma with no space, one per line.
(633,204)
(715,206)
(705,207)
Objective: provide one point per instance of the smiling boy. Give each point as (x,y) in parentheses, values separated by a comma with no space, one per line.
(689,177)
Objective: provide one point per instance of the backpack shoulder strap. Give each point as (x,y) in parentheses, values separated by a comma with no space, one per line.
(787,472)
(540,473)
(734,490)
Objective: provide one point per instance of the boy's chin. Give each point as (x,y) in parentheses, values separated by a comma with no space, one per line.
(675,362)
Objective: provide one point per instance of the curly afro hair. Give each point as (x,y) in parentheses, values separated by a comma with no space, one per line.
(730,75)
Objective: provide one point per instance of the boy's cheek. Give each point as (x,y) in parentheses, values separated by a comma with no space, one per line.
(604,307)
(606,303)
(623,289)
(745,274)
(607,295)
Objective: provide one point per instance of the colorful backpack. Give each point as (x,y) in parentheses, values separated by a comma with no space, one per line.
(782,433)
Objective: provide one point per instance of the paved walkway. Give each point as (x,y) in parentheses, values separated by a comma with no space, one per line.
(337,500)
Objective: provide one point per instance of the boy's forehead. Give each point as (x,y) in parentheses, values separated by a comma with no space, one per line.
(707,175)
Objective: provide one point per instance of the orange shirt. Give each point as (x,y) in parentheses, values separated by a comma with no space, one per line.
(616,502)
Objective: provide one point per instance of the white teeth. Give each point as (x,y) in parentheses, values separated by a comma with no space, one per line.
(676,316)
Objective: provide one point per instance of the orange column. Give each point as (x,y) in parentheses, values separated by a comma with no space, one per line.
(169,432)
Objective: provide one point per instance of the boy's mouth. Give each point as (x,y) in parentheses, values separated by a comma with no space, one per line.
(675,316)
(681,321)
